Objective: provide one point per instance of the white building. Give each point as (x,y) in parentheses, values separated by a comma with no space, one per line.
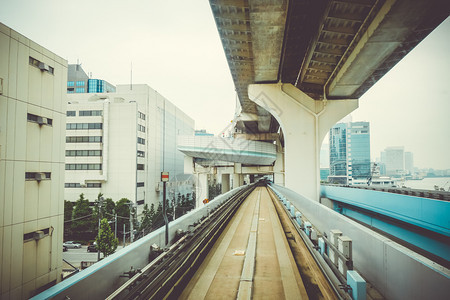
(32,131)
(394,159)
(118,144)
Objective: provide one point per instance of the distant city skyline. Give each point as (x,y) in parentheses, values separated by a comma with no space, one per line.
(176,50)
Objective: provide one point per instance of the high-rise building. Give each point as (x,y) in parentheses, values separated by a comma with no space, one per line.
(32,131)
(118,144)
(349,152)
(409,162)
(394,159)
(79,82)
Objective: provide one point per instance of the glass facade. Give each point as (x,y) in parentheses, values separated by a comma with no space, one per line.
(100,86)
(350,150)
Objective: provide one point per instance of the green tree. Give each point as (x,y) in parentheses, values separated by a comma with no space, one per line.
(82,216)
(147,218)
(68,212)
(123,214)
(109,206)
(106,243)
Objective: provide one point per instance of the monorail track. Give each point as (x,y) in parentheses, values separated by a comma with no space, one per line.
(244,249)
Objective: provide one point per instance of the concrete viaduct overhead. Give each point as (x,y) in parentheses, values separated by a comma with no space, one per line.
(300,66)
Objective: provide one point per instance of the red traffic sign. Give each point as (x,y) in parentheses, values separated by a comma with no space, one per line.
(164,176)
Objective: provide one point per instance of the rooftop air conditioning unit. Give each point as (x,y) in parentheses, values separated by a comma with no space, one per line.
(40,176)
(38,235)
(44,67)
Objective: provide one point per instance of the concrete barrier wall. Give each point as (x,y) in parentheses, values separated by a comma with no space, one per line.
(396,271)
(101,279)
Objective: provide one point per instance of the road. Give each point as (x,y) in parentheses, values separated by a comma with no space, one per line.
(76,256)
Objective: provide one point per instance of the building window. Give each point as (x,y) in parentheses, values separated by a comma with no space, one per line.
(36,235)
(89,113)
(141,141)
(70,91)
(83,166)
(141,128)
(83,139)
(140,184)
(83,152)
(140,166)
(140,153)
(71,113)
(70,83)
(78,185)
(83,126)
(141,115)
(41,66)
(79,90)
(38,176)
(40,120)
(80,83)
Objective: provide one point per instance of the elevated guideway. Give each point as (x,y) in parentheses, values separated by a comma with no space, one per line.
(301,66)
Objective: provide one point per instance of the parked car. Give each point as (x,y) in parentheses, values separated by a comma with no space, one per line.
(92,248)
(71,244)
(64,248)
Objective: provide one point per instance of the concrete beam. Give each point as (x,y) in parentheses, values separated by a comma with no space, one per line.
(257,136)
(305,123)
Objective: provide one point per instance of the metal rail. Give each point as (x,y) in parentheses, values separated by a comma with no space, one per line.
(167,275)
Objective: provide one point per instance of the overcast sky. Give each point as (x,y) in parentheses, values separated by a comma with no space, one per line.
(175,48)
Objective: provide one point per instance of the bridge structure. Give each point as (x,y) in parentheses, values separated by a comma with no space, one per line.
(298,67)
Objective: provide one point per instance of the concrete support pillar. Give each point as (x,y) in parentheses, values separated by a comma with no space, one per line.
(252,178)
(278,169)
(305,123)
(201,189)
(225,183)
(238,180)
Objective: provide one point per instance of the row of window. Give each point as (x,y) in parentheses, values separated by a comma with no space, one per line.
(81,126)
(140,153)
(40,120)
(140,166)
(140,184)
(83,139)
(78,185)
(79,90)
(141,115)
(83,152)
(141,128)
(36,235)
(83,166)
(38,175)
(88,113)
(141,141)
(41,66)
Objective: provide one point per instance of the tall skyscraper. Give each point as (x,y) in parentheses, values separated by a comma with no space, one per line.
(409,162)
(118,143)
(32,129)
(349,152)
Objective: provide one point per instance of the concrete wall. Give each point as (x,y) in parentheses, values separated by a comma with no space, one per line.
(27,206)
(397,272)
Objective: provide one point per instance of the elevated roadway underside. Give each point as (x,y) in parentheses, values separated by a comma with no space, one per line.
(259,257)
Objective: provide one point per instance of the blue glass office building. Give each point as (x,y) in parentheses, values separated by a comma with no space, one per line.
(349,152)
(79,82)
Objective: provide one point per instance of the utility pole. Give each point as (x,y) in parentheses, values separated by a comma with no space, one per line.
(100,204)
(131,222)
(124,234)
(115,226)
